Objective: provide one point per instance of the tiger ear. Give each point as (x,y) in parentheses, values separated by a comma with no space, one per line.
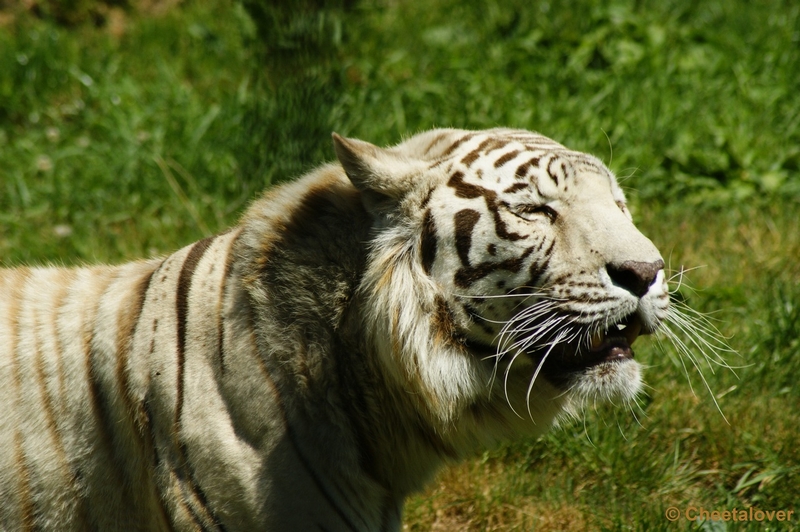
(380,175)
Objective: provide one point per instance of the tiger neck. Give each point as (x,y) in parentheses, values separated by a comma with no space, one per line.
(302,269)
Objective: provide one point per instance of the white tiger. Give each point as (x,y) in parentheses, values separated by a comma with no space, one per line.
(312,366)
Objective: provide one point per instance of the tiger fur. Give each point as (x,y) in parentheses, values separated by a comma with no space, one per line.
(312,366)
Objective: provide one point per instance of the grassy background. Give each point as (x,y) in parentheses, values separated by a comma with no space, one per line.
(132,127)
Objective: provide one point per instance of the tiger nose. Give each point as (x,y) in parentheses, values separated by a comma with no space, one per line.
(634,276)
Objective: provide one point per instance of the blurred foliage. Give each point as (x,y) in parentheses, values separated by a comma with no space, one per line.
(299,34)
(71,12)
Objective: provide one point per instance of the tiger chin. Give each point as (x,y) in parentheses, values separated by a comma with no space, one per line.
(318,362)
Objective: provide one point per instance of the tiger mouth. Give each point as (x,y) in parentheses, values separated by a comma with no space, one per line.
(605,346)
(614,344)
(561,362)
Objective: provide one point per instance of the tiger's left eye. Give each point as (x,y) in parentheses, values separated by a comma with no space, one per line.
(530,212)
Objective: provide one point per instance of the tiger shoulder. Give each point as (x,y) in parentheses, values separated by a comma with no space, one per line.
(312,366)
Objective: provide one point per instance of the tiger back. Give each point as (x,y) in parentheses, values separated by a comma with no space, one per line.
(321,360)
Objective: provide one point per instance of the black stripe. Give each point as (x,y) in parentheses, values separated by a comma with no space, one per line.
(428,243)
(199,520)
(559,164)
(184,471)
(457,143)
(138,412)
(516,187)
(505,158)
(463,224)
(165,514)
(182,311)
(426,199)
(539,267)
(125,334)
(229,262)
(470,191)
(479,320)
(497,144)
(472,156)
(522,170)
(467,275)
(436,141)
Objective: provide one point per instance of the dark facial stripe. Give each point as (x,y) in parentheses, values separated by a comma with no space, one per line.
(467,275)
(587,163)
(464,223)
(492,144)
(538,269)
(496,144)
(505,158)
(524,168)
(553,175)
(457,143)
(428,242)
(436,141)
(516,187)
(470,191)
(559,166)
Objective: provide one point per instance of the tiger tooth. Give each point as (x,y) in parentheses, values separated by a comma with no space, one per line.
(597,339)
(632,332)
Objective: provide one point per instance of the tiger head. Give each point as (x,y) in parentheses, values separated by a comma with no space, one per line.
(503,264)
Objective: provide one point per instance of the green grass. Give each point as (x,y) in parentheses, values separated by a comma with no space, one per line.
(137,136)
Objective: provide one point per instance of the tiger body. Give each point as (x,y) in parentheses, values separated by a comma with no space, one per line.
(315,364)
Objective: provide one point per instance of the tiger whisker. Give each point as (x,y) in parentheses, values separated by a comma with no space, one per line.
(704,339)
(535,375)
